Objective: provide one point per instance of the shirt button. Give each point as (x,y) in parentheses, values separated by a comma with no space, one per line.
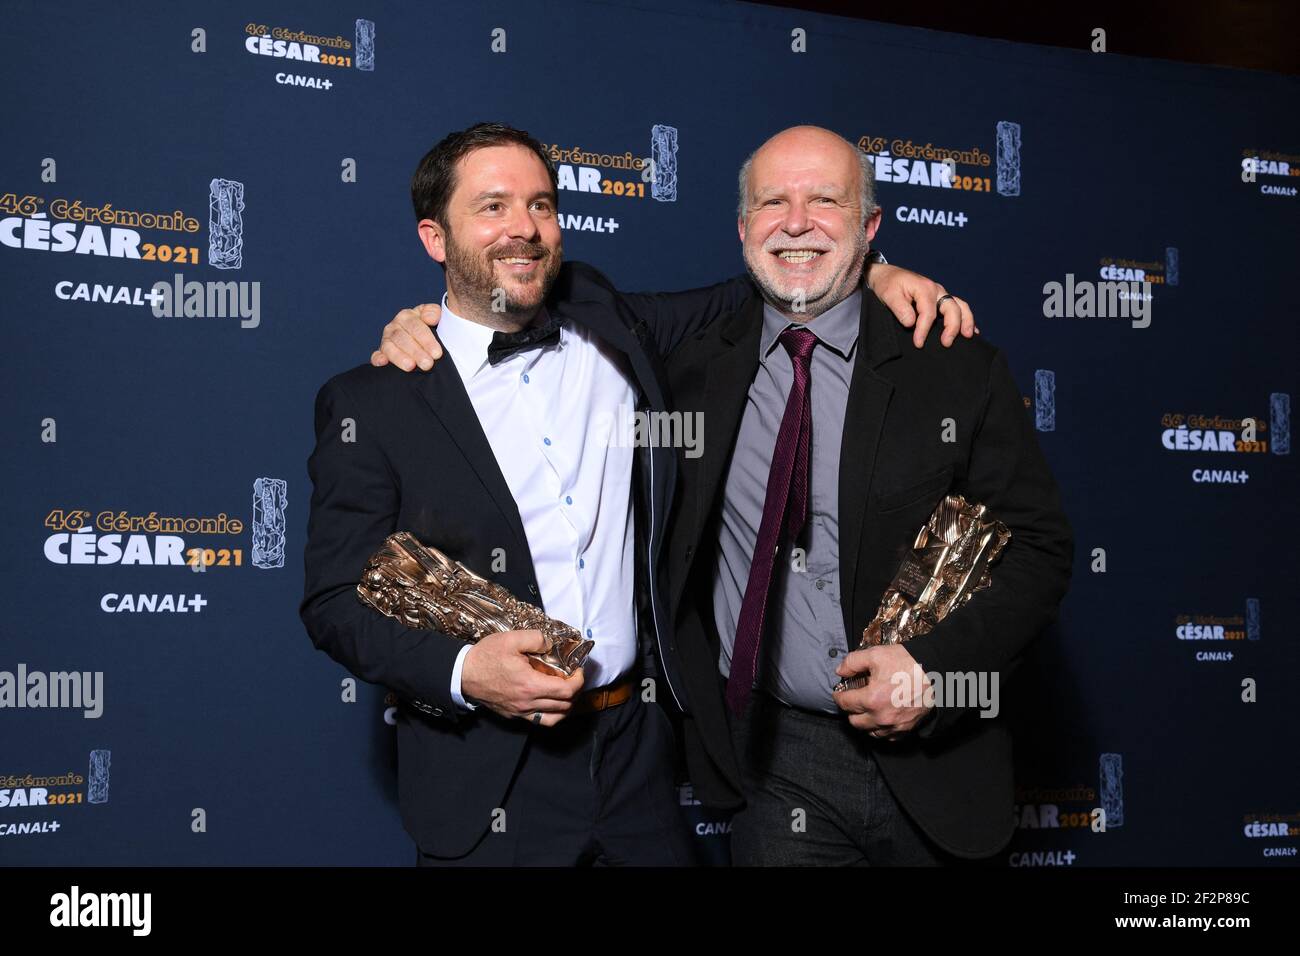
(546,441)
(834,652)
(525,378)
(821,585)
(568,500)
(589,632)
(582,563)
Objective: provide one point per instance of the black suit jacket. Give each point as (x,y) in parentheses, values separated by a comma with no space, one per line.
(397,451)
(954,773)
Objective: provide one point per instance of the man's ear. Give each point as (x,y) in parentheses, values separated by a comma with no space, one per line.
(740,227)
(873,224)
(434,239)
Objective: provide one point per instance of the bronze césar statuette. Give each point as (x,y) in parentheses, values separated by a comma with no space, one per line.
(423,588)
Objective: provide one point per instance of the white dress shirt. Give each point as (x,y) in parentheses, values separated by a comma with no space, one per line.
(552,416)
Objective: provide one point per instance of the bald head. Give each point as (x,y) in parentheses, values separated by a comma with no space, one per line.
(803,143)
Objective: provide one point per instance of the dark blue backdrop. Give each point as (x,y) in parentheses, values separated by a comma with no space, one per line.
(225,737)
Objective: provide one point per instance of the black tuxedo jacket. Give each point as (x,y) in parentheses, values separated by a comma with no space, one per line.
(400,451)
(953,774)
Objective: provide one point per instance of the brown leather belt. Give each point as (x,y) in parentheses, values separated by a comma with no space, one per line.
(601,698)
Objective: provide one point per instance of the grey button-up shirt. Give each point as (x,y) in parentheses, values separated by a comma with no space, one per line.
(804,640)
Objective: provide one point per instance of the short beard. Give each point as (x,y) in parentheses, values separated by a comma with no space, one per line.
(836,291)
(469,271)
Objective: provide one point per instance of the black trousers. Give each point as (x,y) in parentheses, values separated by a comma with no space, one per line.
(815,795)
(594,790)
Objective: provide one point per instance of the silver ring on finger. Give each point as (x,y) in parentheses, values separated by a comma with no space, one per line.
(939,304)
(537,717)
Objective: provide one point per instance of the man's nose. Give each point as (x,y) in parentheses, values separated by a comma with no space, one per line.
(796,220)
(521,224)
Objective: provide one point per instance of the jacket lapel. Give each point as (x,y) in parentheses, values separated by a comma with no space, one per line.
(731,371)
(446,397)
(864,417)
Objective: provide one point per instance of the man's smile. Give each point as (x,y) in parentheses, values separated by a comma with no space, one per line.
(799,260)
(519,265)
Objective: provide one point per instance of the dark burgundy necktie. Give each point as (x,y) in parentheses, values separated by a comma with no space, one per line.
(785,510)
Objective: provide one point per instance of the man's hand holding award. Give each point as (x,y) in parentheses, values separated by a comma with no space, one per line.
(947,563)
(523,663)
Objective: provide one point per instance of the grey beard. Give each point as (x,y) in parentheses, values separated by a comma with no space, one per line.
(833,296)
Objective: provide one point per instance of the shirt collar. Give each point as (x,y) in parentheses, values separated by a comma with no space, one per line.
(468,341)
(836,328)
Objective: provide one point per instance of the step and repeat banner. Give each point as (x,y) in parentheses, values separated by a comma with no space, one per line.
(205,213)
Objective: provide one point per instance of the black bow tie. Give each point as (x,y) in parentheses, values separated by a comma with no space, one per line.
(506,344)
